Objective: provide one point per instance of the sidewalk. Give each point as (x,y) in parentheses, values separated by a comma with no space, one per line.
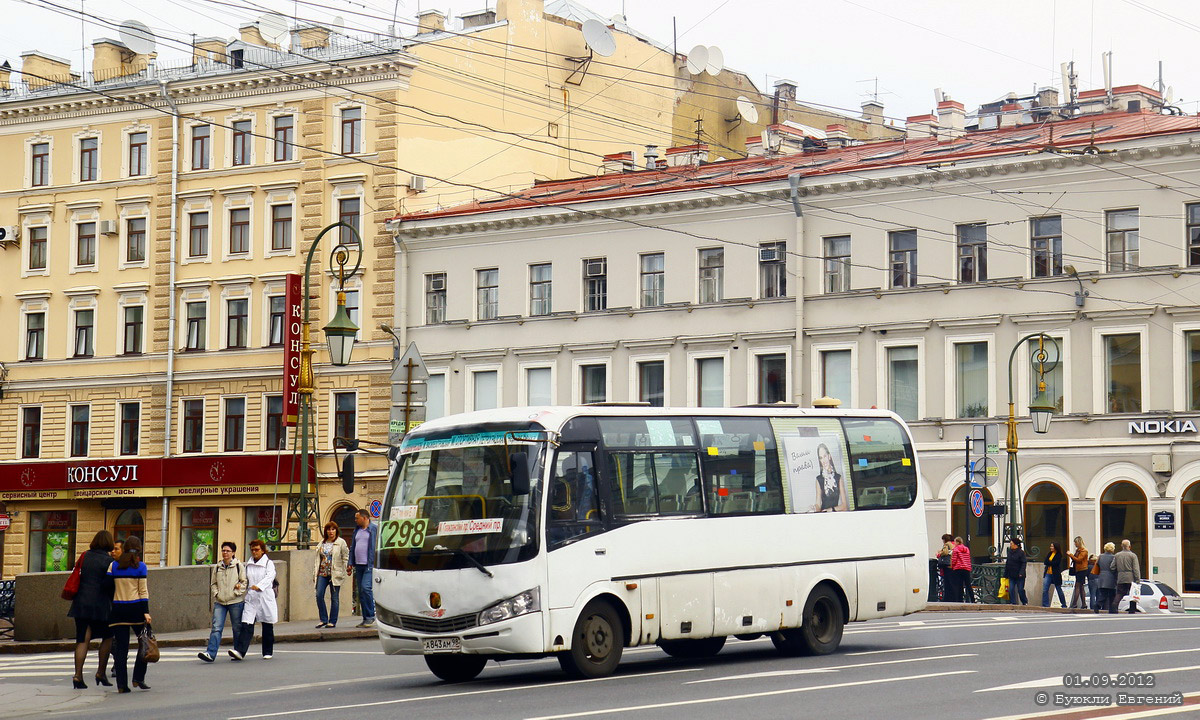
(999,607)
(285,632)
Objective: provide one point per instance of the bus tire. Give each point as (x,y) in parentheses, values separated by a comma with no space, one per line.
(455,668)
(693,649)
(820,631)
(596,642)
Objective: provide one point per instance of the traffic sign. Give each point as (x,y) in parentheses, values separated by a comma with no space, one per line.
(419,371)
(986,439)
(984,472)
(376,508)
(977,502)
(5,522)
(417,392)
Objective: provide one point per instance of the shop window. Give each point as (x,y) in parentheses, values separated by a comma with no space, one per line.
(262,523)
(197,536)
(1045,519)
(129,522)
(1189,527)
(1123,517)
(982,533)
(51,540)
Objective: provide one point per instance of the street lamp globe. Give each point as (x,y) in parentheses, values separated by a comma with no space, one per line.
(340,334)
(1041,410)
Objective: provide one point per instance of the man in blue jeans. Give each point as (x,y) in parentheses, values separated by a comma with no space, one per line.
(362,559)
(228,583)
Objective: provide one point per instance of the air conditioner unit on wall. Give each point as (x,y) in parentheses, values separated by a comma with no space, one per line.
(595,268)
(107,227)
(437,282)
(416,183)
(770,254)
(8,235)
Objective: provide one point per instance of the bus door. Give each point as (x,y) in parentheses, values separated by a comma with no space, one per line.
(575,520)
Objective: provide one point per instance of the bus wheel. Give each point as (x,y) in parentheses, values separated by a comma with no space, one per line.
(455,668)
(821,630)
(692,649)
(596,642)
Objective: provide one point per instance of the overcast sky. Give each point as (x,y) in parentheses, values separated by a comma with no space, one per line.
(838,51)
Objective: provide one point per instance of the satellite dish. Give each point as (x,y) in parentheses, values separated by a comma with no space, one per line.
(747,109)
(272,27)
(137,37)
(716,61)
(598,37)
(1169,97)
(697,60)
(338,23)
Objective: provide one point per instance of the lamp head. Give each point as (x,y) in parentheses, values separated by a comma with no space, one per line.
(1041,411)
(340,334)
(1070,270)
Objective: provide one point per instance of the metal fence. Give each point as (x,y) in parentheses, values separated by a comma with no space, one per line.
(8,602)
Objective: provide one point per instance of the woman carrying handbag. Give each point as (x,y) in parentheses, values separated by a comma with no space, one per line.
(329,571)
(130,612)
(91,605)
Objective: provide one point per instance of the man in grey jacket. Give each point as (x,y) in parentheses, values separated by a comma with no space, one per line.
(1129,571)
(228,583)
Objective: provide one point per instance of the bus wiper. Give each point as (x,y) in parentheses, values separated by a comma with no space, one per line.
(469,558)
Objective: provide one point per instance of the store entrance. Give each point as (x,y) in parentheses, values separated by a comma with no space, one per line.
(129,522)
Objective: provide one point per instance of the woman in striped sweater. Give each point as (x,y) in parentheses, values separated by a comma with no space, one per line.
(130,611)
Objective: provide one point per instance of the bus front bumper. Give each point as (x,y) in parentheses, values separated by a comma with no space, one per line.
(521,635)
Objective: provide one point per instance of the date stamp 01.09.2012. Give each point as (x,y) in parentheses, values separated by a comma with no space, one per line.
(1103,690)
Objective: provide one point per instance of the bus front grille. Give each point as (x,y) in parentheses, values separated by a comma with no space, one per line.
(457,623)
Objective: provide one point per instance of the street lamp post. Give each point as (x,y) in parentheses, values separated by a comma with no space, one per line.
(340,334)
(1041,410)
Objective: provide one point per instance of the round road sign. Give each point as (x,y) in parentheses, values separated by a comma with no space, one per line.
(376,508)
(977,502)
(4,522)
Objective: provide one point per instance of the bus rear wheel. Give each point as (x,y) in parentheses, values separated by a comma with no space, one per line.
(455,668)
(820,631)
(693,649)
(596,642)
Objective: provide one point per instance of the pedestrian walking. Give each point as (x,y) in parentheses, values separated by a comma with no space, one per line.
(943,566)
(130,612)
(329,571)
(1129,571)
(1107,579)
(260,605)
(362,555)
(1093,582)
(1054,563)
(960,567)
(1014,570)
(1079,568)
(227,584)
(91,607)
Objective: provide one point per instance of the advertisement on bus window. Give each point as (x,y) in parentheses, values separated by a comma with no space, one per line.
(815,465)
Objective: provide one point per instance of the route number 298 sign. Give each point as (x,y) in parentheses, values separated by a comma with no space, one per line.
(402,534)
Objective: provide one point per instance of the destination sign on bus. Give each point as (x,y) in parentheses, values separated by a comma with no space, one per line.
(402,534)
(418,444)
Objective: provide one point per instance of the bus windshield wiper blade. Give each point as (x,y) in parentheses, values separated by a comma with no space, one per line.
(469,558)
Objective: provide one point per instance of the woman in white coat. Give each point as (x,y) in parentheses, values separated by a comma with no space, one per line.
(260,603)
(329,572)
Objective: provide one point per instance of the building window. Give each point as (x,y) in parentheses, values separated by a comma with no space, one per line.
(1123,372)
(88,157)
(485,389)
(263,523)
(197,536)
(275,426)
(133,329)
(652,383)
(1193,234)
(653,280)
(971,378)
(836,373)
(772,378)
(198,234)
(538,388)
(345,415)
(1122,232)
(283,137)
(351,130)
(1189,521)
(281,227)
(51,541)
(902,257)
(85,333)
(972,252)
(37,248)
(348,214)
(487,294)
(278,309)
(35,335)
(237,322)
(200,147)
(85,244)
(235,424)
(539,289)
(837,264)
(435,407)
(595,280)
(1191,346)
(903,382)
(130,427)
(197,325)
(137,153)
(239,231)
(241,142)
(593,383)
(80,424)
(435,298)
(1123,515)
(352,310)
(1045,240)
(193,426)
(135,240)
(712,275)
(772,269)
(31,432)
(710,382)
(40,165)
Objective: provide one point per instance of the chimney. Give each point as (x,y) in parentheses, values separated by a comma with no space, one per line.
(1010,115)
(313,36)
(755,146)
(111,59)
(430,21)
(687,155)
(478,18)
(40,70)
(5,74)
(918,127)
(952,120)
(520,10)
(250,35)
(786,89)
(837,136)
(210,49)
(651,157)
(620,162)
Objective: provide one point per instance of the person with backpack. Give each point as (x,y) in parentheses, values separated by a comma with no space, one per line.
(228,584)
(260,605)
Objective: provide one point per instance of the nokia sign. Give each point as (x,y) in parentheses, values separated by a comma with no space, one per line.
(1161,427)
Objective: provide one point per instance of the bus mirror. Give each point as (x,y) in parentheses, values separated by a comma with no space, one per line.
(518,464)
(347,473)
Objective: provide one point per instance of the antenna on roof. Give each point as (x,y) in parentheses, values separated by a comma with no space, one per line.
(137,37)
(746,110)
(599,38)
(697,60)
(716,61)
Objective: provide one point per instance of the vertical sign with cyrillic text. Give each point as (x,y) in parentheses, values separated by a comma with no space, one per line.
(292,323)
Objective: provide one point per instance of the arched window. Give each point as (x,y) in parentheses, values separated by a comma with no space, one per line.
(1123,517)
(344,517)
(1045,519)
(982,529)
(1189,524)
(129,522)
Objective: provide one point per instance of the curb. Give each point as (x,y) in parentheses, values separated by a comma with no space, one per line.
(1000,607)
(49,646)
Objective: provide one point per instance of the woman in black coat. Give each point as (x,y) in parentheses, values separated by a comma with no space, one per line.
(1055,563)
(1014,570)
(91,607)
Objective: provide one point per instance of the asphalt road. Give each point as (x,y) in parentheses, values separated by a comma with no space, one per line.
(930,665)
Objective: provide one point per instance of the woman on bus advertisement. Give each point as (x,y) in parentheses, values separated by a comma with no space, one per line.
(812,469)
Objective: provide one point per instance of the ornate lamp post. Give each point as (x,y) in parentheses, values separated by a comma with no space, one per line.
(339,333)
(1041,410)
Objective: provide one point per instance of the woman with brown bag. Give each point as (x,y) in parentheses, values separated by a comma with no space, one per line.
(130,612)
(1079,569)
(91,606)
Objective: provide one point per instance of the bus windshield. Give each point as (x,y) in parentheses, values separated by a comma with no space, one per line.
(452,504)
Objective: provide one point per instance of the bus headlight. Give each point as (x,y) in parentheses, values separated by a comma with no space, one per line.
(520,604)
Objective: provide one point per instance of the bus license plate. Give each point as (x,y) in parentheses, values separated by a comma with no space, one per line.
(443,645)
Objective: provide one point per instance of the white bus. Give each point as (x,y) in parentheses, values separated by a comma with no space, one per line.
(579,531)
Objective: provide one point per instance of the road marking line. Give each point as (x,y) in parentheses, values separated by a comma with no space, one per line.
(746,696)
(1156,652)
(444,696)
(835,668)
(327,682)
(1057,681)
(1041,638)
(980,623)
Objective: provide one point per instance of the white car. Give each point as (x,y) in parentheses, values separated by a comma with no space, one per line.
(1152,597)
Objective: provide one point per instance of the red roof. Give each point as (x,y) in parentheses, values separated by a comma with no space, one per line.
(1020,140)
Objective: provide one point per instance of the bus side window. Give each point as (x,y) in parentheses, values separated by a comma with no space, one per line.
(574,502)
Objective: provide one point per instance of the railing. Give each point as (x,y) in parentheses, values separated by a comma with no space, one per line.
(8,603)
